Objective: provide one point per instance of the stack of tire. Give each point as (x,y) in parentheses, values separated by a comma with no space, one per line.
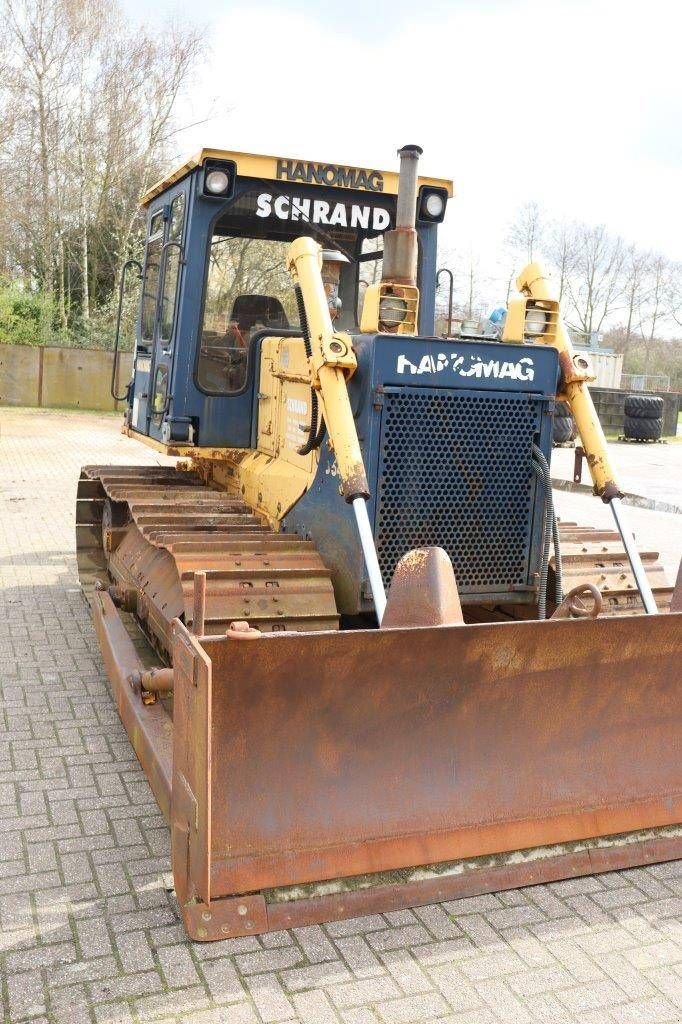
(563,426)
(643,418)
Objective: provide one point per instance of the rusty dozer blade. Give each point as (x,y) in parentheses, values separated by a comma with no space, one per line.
(312,772)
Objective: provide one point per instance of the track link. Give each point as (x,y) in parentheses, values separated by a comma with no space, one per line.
(595,556)
(149,529)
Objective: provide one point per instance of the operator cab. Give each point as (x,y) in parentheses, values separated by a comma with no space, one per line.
(215,280)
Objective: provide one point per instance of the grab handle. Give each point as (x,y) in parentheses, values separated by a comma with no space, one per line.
(114,367)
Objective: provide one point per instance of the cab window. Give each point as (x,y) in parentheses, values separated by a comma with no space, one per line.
(150,286)
(248,288)
(171,276)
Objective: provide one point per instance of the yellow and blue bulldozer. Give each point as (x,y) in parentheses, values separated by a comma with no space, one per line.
(362,663)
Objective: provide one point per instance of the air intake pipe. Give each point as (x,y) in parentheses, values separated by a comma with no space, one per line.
(400,244)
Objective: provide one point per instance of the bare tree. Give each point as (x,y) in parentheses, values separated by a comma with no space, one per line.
(562,246)
(594,283)
(653,308)
(634,274)
(87,120)
(526,232)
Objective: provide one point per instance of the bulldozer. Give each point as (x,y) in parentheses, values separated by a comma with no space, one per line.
(361,661)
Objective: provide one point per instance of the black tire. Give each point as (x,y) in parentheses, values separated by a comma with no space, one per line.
(562,429)
(644,407)
(562,410)
(641,429)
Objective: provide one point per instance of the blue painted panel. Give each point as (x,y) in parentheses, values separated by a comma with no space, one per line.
(494,381)
(228,420)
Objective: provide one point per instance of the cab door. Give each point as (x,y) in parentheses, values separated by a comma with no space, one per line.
(147,324)
(159,405)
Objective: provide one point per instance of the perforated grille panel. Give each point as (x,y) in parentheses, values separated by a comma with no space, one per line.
(455,471)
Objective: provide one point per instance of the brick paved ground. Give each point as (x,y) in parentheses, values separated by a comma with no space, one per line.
(89,932)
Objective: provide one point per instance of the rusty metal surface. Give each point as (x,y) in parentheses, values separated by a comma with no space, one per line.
(249,915)
(191,816)
(169,525)
(357,752)
(423,591)
(380,899)
(676,603)
(149,727)
(573,605)
(598,557)
(224,919)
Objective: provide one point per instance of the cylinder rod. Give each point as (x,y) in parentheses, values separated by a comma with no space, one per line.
(643,585)
(370,554)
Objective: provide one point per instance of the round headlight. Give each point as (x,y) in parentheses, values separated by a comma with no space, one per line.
(434,204)
(536,321)
(392,311)
(216,182)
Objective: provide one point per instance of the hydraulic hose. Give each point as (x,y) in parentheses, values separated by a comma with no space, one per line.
(546,537)
(550,535)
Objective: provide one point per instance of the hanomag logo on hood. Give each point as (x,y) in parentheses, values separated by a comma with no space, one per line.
(330,174)
(468,366)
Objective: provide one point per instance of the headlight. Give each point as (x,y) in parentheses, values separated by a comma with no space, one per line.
(434,205)
(536,321)
(217,182)
(392,311)
(218,179)
(431,204)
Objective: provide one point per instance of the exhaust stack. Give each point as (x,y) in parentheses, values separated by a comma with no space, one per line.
(400,245)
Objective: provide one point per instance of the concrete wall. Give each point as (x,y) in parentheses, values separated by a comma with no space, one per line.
(610,405)
(64,377)
(608,368)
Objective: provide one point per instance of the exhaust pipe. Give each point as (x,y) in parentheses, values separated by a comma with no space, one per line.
(400,244)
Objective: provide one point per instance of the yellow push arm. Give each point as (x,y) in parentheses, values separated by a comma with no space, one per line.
(534,284)
(332,362)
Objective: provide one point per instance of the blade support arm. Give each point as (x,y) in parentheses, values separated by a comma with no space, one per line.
(331,363)
(534,284)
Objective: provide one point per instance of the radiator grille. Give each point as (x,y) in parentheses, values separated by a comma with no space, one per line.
(455,471)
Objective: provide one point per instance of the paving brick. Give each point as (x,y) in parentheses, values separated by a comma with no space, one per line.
(367,990)
(438,922)
(394,938)
(271,1001)
(269,960)
(314,1008)
(592,996)
(359,1015)
(413,1008)
(356,926)
(502,1001)
(315,944)
(26,995)
(177,967)
(222,980)
(647,1011)
(405,971)
(458,991)
(358,956)
(316,975)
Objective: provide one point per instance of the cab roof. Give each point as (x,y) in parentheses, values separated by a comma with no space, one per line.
(254,165)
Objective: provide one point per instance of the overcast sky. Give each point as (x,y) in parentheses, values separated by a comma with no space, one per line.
(575,104)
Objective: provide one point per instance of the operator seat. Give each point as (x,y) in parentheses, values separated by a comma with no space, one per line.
(252,311)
